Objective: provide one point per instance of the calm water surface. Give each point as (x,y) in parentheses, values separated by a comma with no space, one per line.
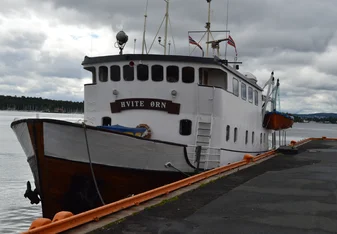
(16,212)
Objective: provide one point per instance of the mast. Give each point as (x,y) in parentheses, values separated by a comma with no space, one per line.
(166,25)
(208,24)
(145,16)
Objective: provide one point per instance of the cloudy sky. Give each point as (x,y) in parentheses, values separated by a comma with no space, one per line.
(43,43)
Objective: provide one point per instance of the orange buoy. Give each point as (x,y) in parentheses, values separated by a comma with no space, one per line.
(248,157)
(39,222)
(62,215)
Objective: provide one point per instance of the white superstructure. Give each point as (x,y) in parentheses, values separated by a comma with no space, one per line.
(220,108)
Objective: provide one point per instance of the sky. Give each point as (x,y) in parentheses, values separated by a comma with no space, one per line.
(43,43)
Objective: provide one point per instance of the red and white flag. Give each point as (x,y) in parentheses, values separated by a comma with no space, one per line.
(232,43)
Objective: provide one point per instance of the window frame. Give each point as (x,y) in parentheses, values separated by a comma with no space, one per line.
(246,137)
(163,75)
(183,78)
(111,73)
(133,72)
(250,99)
(148,73)
(176,81)
(238,88)
(256,97)
(228,129)
(105,74)
(235,134)
(245,97)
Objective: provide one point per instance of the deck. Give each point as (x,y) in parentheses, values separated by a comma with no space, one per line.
(285,194)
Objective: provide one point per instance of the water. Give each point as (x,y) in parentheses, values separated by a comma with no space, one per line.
(16,212)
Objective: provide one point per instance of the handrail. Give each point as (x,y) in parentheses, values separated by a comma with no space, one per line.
(97,213)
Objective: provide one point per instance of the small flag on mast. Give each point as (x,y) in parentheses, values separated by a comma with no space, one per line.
(232,43)
(193,42)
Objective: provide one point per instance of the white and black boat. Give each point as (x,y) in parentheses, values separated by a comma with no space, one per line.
(145,116)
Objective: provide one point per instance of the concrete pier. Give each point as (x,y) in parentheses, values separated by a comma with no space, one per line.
(285,194)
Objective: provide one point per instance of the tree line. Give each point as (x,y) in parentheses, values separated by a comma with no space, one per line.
(39,104)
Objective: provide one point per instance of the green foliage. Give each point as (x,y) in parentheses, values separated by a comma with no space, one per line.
(39,104)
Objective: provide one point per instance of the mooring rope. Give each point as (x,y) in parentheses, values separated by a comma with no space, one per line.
(90,163)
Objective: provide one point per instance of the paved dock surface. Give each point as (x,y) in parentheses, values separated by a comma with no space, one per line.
(286,194)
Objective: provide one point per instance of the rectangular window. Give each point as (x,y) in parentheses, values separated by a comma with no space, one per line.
(142,72)
(256,98)
(103,74)
(115,73)
(157,73)
(252,137)
(185,128)
(246,139)
(235,134)
(250,94)
(243,91)
(228,128)
(93,73)
(172,74)
(261,138)
(128,73)
(188,75)
(235,87)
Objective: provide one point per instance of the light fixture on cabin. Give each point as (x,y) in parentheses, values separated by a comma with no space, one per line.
(115,92)
(174,93)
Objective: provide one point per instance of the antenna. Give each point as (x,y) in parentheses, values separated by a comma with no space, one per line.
(145,16)
(226,28)
(166,22)
(208,23)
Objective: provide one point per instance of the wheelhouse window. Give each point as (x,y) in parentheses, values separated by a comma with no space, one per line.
(106,121)
(235,134)
(188,74)
(157,73)
(172,74)
(250,94)
(128,73)
(103,74)
(228,128)
(185,127)
(235,87)
(142,72)
(243,91)
(256,98)
(93,73)
(115,73)
(261,138)
(252,137)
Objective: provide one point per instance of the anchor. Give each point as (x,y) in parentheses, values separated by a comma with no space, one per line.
(32,195)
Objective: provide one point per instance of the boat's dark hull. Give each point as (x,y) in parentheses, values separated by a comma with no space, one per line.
(67,185)
(70,186)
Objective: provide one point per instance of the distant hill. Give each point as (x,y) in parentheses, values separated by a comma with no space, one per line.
(316,117)
(39,104)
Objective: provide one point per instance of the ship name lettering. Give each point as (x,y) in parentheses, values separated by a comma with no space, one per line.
(158,104)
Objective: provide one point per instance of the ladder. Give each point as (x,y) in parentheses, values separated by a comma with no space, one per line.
(209,157)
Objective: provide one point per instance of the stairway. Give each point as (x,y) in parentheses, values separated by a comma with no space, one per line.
(209,157)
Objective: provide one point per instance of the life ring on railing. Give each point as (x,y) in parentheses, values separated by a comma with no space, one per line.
(147,134)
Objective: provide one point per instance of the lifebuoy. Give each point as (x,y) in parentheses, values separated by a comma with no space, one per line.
(147,134)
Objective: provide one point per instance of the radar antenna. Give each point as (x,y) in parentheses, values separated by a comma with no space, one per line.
(215,44)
